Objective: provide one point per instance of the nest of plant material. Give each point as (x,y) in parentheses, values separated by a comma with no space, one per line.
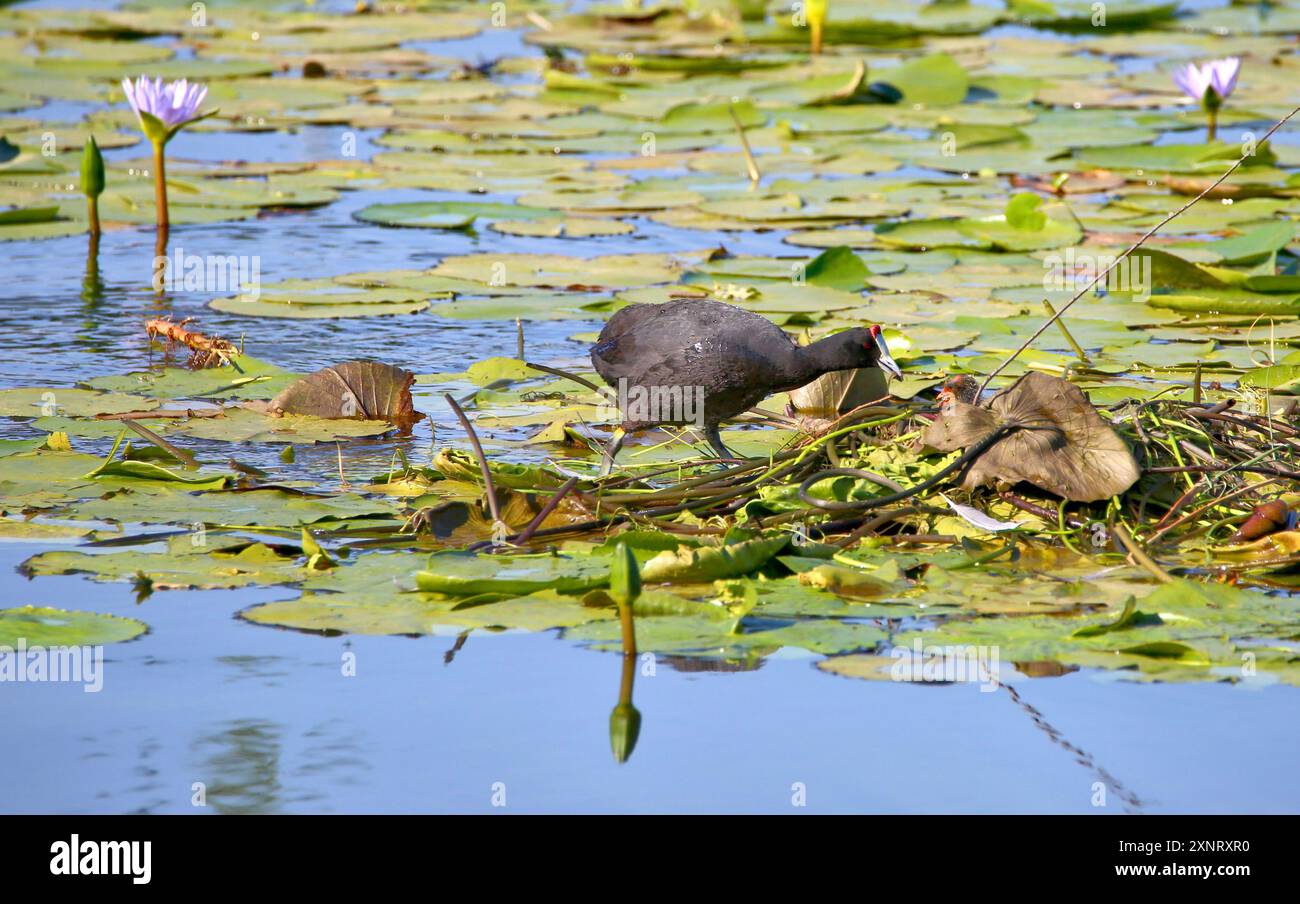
(1054,439)
(1161,477)
(1210,469)
(357,390)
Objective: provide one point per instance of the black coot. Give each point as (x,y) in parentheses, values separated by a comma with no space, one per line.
(666,359)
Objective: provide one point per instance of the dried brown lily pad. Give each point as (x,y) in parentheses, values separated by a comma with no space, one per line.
(840,391)
(360,390)
(1061,444)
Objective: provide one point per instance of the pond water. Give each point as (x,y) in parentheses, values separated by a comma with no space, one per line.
(267,721)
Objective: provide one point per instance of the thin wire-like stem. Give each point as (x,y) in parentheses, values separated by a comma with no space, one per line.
(556,372)
(1134,247)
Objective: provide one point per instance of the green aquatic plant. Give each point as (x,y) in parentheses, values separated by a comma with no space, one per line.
(625,588)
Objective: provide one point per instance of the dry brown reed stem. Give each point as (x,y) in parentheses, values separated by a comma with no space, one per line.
(549,507)
(1138,556)
(489,489)
(207,349)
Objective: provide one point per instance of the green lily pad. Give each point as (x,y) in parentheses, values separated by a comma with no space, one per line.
(47,627)
(315,298)
(993,233)
(187,563)
(414,614)
(457,574)
(250,378)
(446,214)
(935,81)
(69,403)
(267,507)
(238,425)
(711,563)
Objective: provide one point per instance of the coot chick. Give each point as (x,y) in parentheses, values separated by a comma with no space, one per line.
(700,362)
(961,388)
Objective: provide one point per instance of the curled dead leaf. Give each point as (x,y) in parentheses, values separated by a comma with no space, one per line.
(1060,443)
(361,390)
(840,391)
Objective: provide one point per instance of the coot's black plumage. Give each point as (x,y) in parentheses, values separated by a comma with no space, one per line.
(736,357)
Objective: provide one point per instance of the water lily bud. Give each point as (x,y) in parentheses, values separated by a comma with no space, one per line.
(624,576)
(624,728)
(92,169)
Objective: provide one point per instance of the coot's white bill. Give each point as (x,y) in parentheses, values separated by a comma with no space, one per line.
(887,362)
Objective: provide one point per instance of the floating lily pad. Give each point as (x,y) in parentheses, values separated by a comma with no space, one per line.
(446,214)
(455,574)
(68,403)
(187,563)
(299,298)
(47,627)
(239,425)
(270,507)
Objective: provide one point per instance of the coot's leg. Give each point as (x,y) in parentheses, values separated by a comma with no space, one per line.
(715,440)
(615,443)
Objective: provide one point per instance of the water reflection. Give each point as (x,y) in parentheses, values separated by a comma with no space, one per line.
(1129,799)
(92,287)
(245,766)
(241,767)
(625,720)
(450,655)
(692,664)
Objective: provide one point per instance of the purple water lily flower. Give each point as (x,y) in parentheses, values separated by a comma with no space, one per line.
(1220,75)
(173,104)
(1209,85)
(163,110)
